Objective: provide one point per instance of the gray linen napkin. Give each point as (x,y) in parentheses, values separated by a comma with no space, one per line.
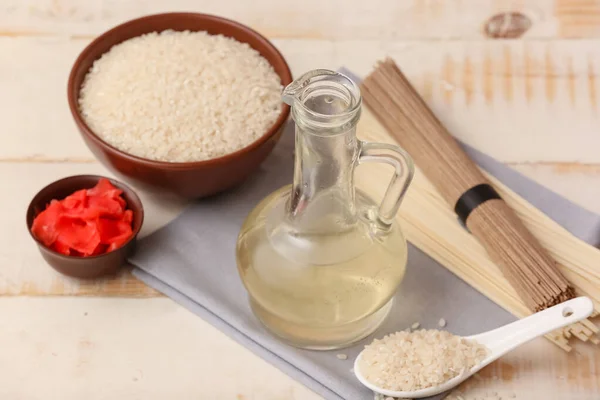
(192,260)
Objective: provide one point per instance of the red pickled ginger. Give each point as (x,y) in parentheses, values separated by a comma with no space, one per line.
(86,223)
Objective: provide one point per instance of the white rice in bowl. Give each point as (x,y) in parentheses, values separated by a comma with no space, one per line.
(180,96)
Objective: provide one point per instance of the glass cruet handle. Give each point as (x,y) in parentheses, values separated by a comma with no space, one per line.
(403,174)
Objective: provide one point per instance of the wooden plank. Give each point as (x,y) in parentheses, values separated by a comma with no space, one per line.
(314,19)
(578,183)
(151,349)
(578,18)
(24,272)
(334,19)
(527,373)
(505,98)
(33,101)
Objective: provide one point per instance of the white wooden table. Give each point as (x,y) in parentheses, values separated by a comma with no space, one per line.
(532,102)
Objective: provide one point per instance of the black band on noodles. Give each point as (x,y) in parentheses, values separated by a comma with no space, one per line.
(472,198)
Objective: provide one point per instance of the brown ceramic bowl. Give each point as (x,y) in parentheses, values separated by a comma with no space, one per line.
(85,267)
(188,179)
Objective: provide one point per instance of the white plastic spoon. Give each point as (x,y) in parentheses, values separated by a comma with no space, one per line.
(500,341)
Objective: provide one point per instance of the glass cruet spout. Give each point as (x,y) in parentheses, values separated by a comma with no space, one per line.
(292,92)
(321,260)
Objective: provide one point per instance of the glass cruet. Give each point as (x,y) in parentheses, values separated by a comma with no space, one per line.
(321,261)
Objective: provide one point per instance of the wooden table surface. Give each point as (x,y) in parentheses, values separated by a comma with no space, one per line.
(517,79)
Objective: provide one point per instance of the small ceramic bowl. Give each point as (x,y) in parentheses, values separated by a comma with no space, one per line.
(187,179)
(85,267)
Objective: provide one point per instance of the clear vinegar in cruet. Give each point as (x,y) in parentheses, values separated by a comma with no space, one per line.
(321,261)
